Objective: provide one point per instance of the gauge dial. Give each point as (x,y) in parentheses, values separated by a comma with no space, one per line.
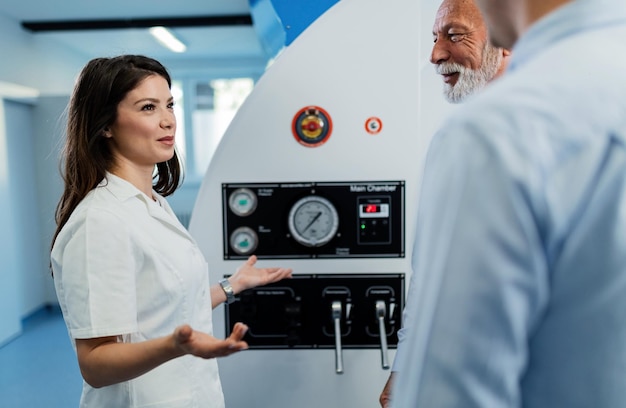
(243,240)
(313,221)
(242,202)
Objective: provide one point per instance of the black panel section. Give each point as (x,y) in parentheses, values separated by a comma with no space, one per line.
(111,24)
(371,220)
(296,312)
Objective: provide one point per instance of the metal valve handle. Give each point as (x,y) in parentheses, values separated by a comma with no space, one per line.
(380,313)
(336,309)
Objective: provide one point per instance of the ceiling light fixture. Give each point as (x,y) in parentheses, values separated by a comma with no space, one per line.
(167,39)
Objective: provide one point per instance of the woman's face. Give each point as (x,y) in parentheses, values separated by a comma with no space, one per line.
(143,132)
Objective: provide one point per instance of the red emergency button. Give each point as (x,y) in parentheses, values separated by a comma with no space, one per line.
(311,126)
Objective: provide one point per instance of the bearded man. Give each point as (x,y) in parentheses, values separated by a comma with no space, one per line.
(462,53)
(464,57)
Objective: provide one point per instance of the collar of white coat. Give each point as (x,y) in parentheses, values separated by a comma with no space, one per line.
(124,190)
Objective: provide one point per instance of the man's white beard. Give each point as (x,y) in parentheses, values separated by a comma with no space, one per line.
(470,80)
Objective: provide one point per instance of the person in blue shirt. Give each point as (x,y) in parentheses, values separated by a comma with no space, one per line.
(519,264)
(467,62)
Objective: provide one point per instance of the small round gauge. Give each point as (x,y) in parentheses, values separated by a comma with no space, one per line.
(242,202)
(243,240)
(313,221)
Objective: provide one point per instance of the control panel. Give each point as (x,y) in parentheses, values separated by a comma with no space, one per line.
(314,219)
(323,311)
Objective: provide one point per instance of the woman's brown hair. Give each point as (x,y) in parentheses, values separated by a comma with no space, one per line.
(86,157)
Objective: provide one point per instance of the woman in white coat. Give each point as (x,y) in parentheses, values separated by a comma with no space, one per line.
(132,284)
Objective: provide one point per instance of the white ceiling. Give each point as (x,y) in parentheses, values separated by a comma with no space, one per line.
(203,43)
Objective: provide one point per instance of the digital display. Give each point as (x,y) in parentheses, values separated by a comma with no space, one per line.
(371,208)
(374,210)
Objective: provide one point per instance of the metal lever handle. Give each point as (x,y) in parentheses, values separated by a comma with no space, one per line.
(380,313)
(336,308)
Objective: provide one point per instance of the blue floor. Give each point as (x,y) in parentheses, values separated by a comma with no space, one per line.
(38,369)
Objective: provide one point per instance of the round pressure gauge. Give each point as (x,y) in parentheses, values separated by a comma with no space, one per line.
(242,202)
(313,221)
(243,240)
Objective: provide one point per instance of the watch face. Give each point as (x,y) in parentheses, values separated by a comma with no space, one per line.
(313,221)
(228,290)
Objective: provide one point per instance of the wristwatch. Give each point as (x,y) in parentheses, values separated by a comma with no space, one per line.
(228,290)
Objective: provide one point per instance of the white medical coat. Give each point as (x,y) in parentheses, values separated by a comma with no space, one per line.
(124,266)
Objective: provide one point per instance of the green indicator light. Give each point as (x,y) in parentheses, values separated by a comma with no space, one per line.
(362,226)
(244,243)
(243,202)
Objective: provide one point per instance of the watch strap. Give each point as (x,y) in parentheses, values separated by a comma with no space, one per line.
(228,290)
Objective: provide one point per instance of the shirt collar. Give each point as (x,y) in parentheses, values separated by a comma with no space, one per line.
(567,20)
(123,189)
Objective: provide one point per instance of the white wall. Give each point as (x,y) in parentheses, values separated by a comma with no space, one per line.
(30,67)
(23,193)
(29,187)
(9,299)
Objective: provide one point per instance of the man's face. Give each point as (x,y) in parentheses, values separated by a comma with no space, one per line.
(461,52)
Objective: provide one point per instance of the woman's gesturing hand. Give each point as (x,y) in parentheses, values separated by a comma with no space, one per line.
(203,345)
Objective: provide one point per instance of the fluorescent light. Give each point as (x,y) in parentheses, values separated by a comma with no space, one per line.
(167,39)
